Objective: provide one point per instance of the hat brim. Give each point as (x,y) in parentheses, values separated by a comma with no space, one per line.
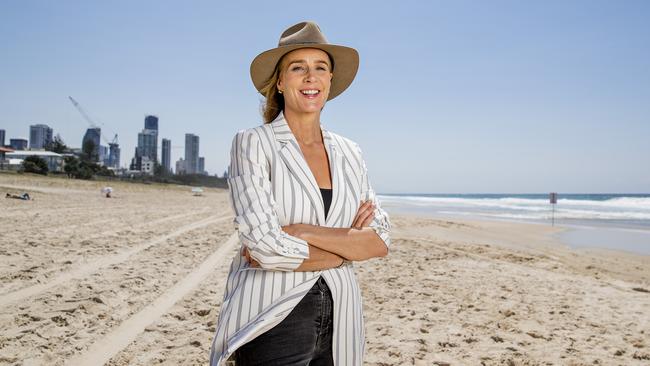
(346,64)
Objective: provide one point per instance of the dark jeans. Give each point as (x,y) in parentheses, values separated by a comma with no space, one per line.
(303,338)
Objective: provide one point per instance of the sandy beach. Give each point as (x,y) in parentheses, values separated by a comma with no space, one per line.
(137,279)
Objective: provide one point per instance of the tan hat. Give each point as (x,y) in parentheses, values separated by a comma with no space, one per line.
(307,35)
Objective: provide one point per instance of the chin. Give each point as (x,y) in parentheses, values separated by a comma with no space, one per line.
(312,108)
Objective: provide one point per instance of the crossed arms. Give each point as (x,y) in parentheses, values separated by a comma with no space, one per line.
(296,247)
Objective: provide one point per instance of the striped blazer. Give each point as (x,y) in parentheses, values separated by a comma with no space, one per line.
(271,185)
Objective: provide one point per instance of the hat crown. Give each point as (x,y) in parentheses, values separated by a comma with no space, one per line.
(302,33)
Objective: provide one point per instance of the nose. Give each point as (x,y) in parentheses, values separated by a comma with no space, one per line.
(309,75)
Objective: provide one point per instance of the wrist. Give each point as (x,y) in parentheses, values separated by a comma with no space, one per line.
(304,232)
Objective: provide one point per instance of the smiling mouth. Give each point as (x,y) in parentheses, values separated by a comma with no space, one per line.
(310,93)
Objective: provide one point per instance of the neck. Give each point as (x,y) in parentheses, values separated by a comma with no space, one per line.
(304,126)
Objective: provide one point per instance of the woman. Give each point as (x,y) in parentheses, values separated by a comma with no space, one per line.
(305,212)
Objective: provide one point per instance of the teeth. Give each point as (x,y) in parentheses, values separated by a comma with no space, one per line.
(310,92)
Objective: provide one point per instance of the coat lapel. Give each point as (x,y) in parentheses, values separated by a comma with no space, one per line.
(336,171)
(293,158)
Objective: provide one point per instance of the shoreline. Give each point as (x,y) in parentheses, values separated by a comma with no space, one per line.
(573,234)
(528,237)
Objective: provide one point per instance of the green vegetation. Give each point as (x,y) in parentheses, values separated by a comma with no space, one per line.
(35,164)
(83,169)
(182,179)
(57,145)
(89,152)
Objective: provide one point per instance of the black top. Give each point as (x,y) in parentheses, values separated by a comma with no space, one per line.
(327,198)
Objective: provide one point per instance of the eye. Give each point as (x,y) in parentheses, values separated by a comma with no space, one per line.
(297,68)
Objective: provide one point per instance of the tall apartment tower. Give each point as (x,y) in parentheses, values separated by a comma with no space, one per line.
(114,155)
(2,138)
(191,153)
(92,134)
(166,155)
(201,165)
(148,144)
(39,136)
(151,123)
(148,139)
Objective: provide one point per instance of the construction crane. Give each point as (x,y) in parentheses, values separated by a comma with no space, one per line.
(91,122)
(114,147)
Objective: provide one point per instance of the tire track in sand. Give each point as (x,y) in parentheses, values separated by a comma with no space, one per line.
(93,266)
(115,341)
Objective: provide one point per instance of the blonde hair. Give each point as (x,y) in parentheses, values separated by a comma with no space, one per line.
(274,101)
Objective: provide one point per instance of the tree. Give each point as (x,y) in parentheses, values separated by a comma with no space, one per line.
(158,170)
(71,167)
(57,145)
(89,151)
(104,171)
(75,168)
(35,164)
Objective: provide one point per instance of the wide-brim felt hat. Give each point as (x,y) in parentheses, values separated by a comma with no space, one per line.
(307,35)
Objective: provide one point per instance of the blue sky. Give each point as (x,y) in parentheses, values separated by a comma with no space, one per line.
(451,97)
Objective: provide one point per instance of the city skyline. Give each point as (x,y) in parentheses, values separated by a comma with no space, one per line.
(95,134)
(458,97)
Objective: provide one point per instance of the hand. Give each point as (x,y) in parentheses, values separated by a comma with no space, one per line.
(252,262)
(365,215)
(293,229)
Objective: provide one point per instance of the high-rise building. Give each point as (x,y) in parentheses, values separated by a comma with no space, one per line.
(148,144)
(148,141)
(2,138)
(114,155)
(103,154)
(18,144)
(201,165)
(191,153)
(39,136)
(92,134)
(166,155)
(180,166)
(151,123)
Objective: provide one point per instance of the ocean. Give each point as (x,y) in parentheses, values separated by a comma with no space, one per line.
(613,221)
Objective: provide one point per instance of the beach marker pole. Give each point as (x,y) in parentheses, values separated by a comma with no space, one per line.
(553,198)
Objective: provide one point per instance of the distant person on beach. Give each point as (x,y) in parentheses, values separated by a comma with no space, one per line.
(24,196)
(107,191)
(305,211)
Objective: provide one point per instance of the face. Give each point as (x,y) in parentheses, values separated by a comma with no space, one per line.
(305,80)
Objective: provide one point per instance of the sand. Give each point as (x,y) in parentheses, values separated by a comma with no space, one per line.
(138,279)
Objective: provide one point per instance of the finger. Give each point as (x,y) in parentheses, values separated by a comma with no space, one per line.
(364,206)
(365,203)
(355,223)
(363,217)
(365,211)
(254,264)
(247,255)
(368,220)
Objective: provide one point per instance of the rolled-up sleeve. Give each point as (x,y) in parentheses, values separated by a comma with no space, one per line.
(252,201)
(381,223)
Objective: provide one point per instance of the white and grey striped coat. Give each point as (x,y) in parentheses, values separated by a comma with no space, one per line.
(271,185)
